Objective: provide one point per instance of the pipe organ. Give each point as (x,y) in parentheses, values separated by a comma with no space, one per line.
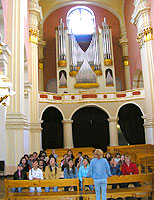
(77,69)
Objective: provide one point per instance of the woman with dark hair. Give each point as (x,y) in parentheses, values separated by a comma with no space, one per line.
(107,156)
(65,163)
(99,170)
(70,153)
(70,171)
(25,164)
(52,172)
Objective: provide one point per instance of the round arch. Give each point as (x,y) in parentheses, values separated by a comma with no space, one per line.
(53,107)
(131,102)
(90,128)
(90,105)
(132,124)
(52,128)
(101,5)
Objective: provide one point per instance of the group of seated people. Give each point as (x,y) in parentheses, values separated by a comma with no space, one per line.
(37,164)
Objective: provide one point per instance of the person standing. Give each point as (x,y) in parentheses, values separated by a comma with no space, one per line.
(99,170)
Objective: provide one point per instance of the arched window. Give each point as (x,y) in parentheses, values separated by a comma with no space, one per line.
(80,20)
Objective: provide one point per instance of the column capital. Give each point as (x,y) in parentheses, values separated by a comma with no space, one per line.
(67,121)
(148,122)
(113,119)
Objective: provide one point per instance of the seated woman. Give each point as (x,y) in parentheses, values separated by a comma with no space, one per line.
(122,160)
(70,153)
(83,171)
(25,164)
(129,168)
(52,172)
(70,171)
(65,162)
(115,170)
(20,174)
(42,164)
(35,174)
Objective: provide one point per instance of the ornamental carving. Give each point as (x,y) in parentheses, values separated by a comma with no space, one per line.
(34,35)
(145,36)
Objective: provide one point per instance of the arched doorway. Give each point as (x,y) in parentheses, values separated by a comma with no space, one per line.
(52,129)
(90,128)
(131,124)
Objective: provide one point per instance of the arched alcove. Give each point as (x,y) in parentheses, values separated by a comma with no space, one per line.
(131,124)
(90,128)
(138,79)
(52,128)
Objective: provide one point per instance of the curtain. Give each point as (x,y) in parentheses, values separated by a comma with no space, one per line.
(90,128)
(52,129)
(131,124)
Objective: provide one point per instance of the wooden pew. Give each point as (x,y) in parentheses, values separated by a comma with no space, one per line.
(146,189)
(61,174)
(60,183)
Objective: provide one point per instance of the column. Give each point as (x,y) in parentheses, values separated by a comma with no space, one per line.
(124,44)
(42,44)
(113,131)
(141,18)
(35,124)
(16,121)
(67,128)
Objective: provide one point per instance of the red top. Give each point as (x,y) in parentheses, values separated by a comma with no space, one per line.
(132,169)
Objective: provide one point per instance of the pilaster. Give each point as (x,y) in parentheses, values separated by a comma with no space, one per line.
(35,16)
(141,18)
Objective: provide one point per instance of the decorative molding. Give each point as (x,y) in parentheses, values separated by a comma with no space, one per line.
(46,97)
(16,121)
(67,121)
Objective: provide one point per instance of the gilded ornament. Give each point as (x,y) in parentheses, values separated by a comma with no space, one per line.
(125,60)
(1,51)
(62,63)
(34,35)
(98,72)
(107,62)
(145,36)
(86,85)
(73,73)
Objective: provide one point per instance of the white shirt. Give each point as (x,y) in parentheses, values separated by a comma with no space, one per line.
(117,159)
(35,174)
